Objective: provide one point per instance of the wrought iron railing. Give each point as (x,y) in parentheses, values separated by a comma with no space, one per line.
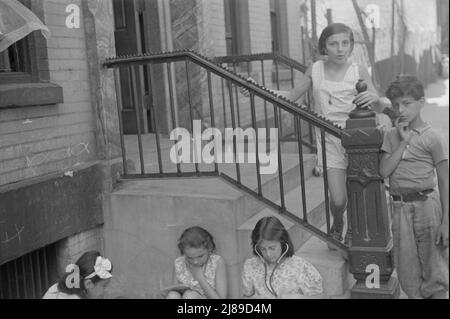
(247,64)
(214,77)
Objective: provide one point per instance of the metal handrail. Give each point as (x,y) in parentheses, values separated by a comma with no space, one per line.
(262,56)
(232,78)
(258,90)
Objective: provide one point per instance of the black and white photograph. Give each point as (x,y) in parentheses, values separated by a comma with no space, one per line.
(240,150)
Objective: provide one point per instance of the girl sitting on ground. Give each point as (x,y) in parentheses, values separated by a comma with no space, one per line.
(199,272)
(274,271)
(87,279)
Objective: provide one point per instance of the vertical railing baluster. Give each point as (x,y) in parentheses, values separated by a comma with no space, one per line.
(277,71)
(153,116)
(266,115)
(298,127)
(172,111)
(33,286)
(213,121)
(280,166)
(233,124)
(293,85)
(38,271)
(16,279)
(119,113)
(46,270)
(258,167)
(238,113)
(292,77)
(225,122)
(325,178)
(9,278)
(24,281)
(191,116)
(138,114)
(310,127)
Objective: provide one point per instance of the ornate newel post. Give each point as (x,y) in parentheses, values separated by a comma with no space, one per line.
(370,257)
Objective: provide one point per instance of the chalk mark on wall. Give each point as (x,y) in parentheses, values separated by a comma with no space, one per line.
(16,235)
(71,151)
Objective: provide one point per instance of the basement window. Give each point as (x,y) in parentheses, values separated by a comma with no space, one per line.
(29,276)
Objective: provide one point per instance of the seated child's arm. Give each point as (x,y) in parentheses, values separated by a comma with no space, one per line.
(221,281)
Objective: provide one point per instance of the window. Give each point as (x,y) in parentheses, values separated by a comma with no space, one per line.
(274,27)
(279,28)
(231,34)
(15,58)
(24,74)
(237,31)
(29,276)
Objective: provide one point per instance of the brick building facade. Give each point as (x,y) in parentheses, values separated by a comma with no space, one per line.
(59,131)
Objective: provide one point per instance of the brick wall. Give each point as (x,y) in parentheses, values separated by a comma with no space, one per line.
(40,140)
(71,248)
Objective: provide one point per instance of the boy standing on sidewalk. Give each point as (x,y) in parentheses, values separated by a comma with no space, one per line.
(413,151)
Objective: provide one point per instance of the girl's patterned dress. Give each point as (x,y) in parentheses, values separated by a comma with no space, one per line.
(185,277)
(294,275)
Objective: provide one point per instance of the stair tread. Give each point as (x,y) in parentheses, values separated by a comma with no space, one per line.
(293,202)
(318,253)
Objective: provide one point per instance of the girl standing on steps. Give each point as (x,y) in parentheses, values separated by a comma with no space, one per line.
(199,272)
(333,81)
(274,271)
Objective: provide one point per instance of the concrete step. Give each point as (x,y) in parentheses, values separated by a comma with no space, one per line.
(148,216)
(334,269)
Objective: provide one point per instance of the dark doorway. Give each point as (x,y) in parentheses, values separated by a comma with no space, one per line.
(130,39)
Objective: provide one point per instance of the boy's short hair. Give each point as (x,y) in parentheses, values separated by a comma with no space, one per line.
(405,85)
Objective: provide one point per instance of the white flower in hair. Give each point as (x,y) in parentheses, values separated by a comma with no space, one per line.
(102,268)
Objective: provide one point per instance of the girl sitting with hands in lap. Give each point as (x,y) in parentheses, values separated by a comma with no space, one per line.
(199,272)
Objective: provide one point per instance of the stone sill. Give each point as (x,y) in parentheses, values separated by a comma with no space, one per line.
(30,94)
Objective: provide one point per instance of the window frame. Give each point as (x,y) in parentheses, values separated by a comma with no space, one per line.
(35,84)
(236,16)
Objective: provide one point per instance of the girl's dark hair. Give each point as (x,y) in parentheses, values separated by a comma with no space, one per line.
(332,29)
(271,228)
(196,237)
(85,265)
(405,85)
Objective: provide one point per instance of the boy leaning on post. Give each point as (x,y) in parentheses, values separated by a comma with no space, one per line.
(412,153)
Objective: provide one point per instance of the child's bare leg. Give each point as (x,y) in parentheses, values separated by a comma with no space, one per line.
(338,199)
(173,295)
(191,294)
